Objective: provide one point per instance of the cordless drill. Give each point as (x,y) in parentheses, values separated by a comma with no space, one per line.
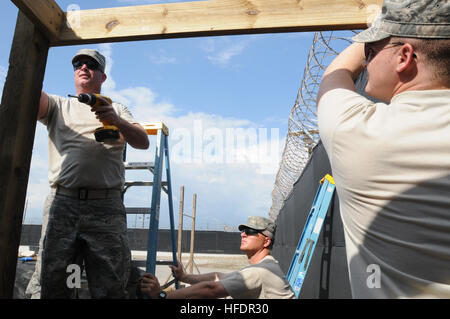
(106,132)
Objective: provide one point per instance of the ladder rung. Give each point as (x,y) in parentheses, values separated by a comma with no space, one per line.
(137,210)
(127,184)
(142,263)
(164,262)
(139,165)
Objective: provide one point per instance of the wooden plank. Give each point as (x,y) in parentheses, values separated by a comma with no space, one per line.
(45,14)
(18,113)
(214,17)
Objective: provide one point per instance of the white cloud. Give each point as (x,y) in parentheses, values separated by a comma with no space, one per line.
(106,50)
(222,57)
(221,51)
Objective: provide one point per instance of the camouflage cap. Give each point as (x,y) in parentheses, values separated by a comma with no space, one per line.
(94,54)
(409,18)
(259,223)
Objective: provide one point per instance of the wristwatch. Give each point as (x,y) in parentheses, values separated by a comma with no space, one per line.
(162,295)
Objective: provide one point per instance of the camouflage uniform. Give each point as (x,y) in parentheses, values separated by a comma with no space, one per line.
(34,286)
(94,230)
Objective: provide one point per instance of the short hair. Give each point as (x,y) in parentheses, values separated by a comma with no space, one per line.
(272,241)
(436,53)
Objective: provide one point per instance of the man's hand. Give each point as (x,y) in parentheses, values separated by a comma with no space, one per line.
(106,114)
(178,272)
(150,286)
(134,134)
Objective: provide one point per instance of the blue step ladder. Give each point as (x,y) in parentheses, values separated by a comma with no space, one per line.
(311,231)
(161,159)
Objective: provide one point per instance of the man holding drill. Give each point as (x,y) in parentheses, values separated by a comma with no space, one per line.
(86,216)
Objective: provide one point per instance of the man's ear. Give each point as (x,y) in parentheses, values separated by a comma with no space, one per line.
(267,242)
(104,77)
(406,58)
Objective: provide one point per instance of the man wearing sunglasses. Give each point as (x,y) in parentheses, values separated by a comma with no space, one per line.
(84,218)
(391,159)
(263,279)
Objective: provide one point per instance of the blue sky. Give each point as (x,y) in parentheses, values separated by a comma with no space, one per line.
(208,91)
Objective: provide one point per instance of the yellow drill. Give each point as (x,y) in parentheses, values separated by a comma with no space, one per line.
(106,132)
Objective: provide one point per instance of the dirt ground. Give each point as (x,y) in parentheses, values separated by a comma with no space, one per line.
(203,263)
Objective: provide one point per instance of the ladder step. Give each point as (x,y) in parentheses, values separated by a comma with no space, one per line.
(127,184)
(137,210)
(139,165)
(142,263)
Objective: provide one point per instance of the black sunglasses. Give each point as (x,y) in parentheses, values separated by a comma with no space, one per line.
(370,53)
(251,232)
(91,65)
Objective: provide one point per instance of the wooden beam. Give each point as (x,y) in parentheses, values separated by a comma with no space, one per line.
(45,14)
(211,18)
(18,113)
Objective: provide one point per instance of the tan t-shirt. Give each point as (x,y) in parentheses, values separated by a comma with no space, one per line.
(76,159)
(264,280)
(391,165)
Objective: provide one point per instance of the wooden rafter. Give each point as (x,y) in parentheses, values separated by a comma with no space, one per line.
(200,18)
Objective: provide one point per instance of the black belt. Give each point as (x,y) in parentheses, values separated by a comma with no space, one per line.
(89,193)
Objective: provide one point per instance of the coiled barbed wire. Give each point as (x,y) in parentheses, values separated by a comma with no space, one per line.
(303,132)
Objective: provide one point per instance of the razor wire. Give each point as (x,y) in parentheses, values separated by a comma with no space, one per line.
(303,133)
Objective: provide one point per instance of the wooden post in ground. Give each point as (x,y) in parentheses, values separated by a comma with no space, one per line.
(180,224)
(18,113)
(191,257)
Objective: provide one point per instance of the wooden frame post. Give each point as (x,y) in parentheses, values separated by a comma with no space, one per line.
(18,113)
(191,255)
(180,224)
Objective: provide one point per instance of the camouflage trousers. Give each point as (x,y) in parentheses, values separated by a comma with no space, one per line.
(34,286)
(92,231)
